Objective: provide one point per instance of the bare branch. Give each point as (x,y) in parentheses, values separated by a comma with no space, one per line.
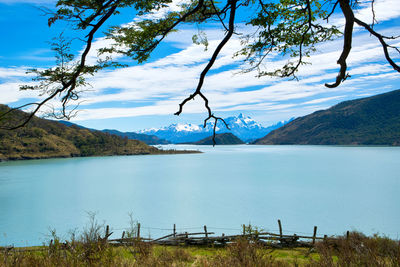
(219,16)
(373,14)
(381,39)
(332,11)
(348,36)
(208,67)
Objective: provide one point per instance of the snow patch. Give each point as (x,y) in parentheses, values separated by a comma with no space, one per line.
(187,127)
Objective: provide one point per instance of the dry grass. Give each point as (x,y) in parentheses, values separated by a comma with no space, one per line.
(91,250)
(358,250)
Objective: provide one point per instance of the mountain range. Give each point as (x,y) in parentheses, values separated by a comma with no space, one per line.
(147,138)
(372,120)
(244,127)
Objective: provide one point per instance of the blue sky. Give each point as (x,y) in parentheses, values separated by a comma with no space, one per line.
(147,95)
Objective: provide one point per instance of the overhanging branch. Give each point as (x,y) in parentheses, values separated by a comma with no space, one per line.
(348,36)
(381,39)
(203,74)
(69,86)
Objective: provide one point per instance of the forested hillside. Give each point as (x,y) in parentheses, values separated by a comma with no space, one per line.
(43,138)
(220,139)
(373,120)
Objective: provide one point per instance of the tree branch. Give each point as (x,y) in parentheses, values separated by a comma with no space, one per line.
(69,86)
(208,67)
(332,11)
(373,13)
(219,16)
(348,36)
(381,39)
(303,36)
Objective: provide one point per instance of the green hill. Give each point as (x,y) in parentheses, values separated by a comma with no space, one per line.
(220,139)
(148,139)
(368,121)
(43,138)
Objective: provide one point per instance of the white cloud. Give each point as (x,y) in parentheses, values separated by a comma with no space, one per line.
(384,10)
(174,6)
(159,86)
(9,92)
(10,2)
(13,72)
(174,77)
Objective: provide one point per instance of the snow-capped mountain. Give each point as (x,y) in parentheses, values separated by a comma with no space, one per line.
(242,126)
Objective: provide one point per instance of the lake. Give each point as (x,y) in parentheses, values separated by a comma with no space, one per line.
(336,188)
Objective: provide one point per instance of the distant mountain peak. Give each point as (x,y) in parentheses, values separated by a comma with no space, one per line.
(241,126)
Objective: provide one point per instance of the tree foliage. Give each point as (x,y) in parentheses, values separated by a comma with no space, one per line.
(289,28)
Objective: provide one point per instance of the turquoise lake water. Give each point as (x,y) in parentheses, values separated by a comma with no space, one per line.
(335,188)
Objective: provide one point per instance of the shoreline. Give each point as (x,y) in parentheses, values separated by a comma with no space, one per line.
(159,152)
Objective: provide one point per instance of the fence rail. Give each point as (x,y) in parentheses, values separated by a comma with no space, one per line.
(204,238)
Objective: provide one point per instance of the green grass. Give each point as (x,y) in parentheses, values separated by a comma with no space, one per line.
(90,249)
(357,250)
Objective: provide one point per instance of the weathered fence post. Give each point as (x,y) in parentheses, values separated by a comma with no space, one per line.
(123,235)
(138,230)
(174,230)
(325,238)
(107,232)
(244,229)
(347,235)
(314,235)
(280,229)
(206,234)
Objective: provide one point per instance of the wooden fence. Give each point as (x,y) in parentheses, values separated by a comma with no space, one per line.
(206,238)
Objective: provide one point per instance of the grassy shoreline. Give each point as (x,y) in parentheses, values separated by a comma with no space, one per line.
(44,139)
(3,158)
(91,250)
